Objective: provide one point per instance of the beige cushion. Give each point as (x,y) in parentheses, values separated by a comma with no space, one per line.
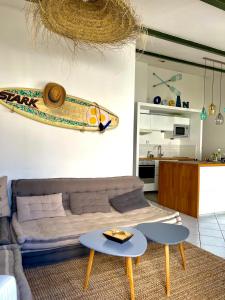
(4,203)
(38,207)
(90,202)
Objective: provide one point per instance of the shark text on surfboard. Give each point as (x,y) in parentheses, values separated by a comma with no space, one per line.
(12,97)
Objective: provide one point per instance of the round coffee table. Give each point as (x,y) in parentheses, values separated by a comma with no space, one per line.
(134,247)
(166,234)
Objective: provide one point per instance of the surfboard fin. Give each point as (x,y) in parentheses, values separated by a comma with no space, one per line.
(103,127)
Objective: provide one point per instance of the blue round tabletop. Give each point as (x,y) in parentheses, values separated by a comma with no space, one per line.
(135,246)
(163,233)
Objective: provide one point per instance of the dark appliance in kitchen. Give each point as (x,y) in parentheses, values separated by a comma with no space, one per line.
(147,171)
(181,131)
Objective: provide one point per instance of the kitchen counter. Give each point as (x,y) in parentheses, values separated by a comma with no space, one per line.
(192,187)
(167,158)
(200,163)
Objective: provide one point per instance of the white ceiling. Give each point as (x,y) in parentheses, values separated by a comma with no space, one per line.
(189,19)
(170,65)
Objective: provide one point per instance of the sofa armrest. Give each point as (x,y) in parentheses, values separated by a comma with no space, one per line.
(5,236)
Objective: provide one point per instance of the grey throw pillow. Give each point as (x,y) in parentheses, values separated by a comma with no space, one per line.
(129,201)
(89,202)
(38,207)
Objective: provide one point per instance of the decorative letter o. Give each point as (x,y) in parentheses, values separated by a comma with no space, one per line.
(157,100)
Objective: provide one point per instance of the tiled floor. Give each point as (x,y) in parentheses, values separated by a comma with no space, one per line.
(207,232)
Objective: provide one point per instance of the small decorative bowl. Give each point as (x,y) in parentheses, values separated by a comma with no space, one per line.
(118,235)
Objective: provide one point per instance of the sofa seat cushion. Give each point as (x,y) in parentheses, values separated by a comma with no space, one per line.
(11,264)
(61,231)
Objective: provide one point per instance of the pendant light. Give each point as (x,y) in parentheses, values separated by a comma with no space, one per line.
(219,118)
(203,114)
(212,106)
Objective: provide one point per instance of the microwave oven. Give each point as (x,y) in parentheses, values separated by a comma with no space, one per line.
(180,131)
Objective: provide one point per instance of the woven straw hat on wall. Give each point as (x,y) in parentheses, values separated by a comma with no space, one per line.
(54,95)
(99,22)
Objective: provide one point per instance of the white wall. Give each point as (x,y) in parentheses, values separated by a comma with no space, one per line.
(32,150)
(191,86)
(214,135)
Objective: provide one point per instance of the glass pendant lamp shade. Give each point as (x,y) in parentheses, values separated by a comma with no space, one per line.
(203,114)
(212,109)
(212,106)
(219,119)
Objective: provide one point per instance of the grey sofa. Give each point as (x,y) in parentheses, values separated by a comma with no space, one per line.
(5,237)
(13,280)
(50,240)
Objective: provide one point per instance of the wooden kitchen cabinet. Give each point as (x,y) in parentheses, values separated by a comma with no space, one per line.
(179,187)
(192,187)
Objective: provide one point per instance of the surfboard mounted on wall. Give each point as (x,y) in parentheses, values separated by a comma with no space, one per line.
(75,113)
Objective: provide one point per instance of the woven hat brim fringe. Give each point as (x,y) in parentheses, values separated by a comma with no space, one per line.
(100,22)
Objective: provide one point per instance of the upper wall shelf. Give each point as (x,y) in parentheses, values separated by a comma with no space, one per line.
(166,108)
(145,131)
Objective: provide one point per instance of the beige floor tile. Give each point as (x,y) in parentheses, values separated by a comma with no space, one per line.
(210,232)
(212,226)
(221,220)
(212,241)
(208,219)
(222,227)
(219,251)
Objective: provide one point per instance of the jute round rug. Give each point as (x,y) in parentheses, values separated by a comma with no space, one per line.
(204,277)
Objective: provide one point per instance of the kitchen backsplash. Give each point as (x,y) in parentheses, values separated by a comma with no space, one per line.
(169,150)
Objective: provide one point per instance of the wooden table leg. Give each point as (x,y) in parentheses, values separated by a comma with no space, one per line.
(182,255)
(126,266)
(138,259)
(89,268)
(167,270)
(131,279)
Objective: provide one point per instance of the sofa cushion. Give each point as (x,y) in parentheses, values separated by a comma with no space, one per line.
(4,204)
(129,201)
(38,207)
(113,186)
(81,203)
